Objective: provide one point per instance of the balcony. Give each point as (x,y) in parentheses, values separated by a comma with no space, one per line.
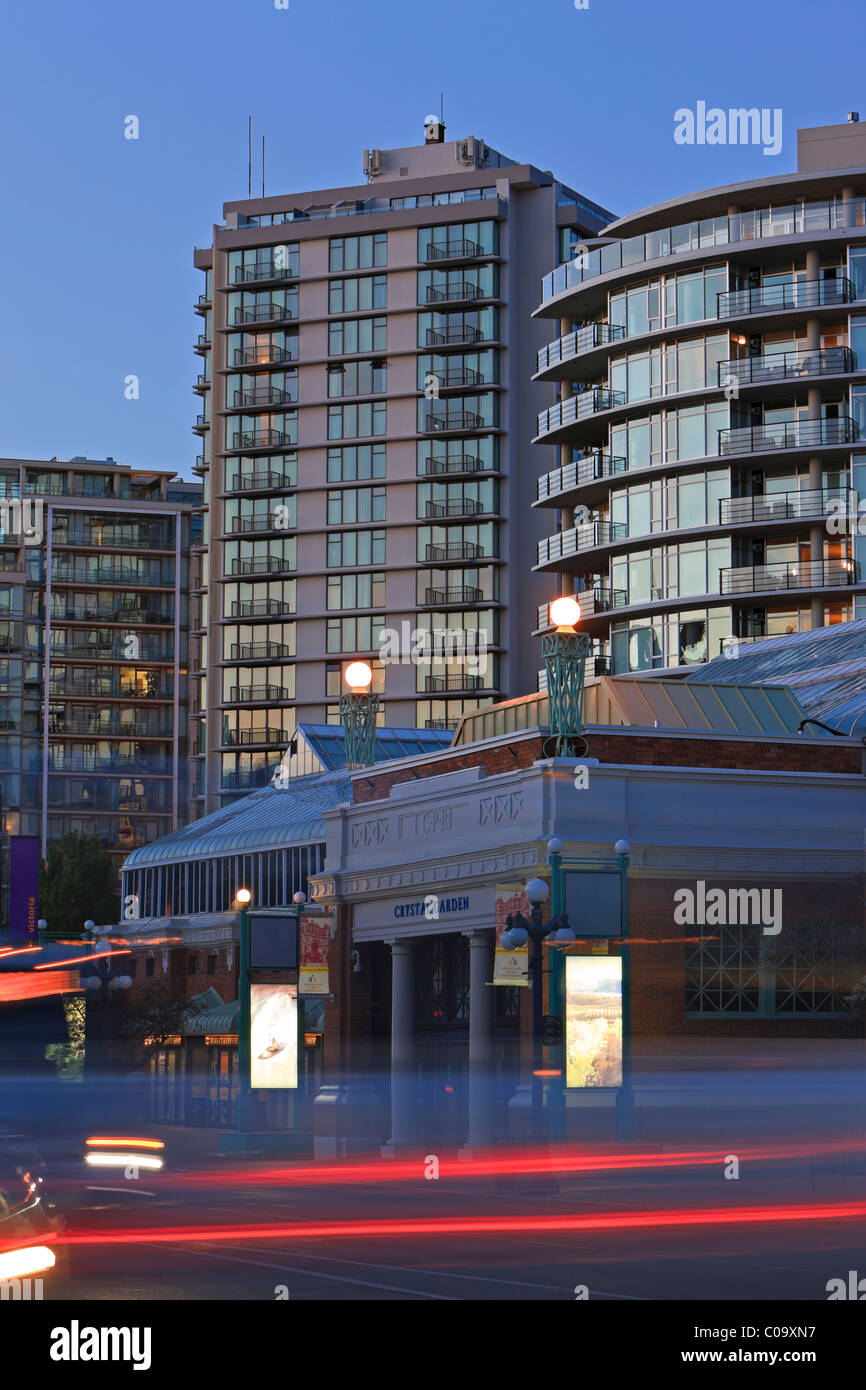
(245,778)
(261,481)
(789,434)
(260,439)
(258,356)
(455,335)
(201,344)
(459,376)
(806,574)
(101,728)
(577,474)
(581,340)
(802,294)
(454,294)
(453,251)
(466,506)
(593,602)
(265,736)
(59,760)
(260,608)
(448,724)
(786,366)
(259,651)
(447,598)
(784,506)
(453,422)
(579,539)
(460,550)
(113,576)
(264,564)
(452,463)
(580,407)
(262,395)
(244,524)
(440,684)
(264,270)
(264,313)
(253,694)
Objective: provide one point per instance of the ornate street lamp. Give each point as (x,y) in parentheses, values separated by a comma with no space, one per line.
(565,652)
(358,711)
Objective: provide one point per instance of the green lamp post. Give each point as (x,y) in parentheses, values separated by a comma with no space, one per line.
(243,898)
(358,710)
(565,652)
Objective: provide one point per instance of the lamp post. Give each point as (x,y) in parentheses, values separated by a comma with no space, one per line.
(358,710)
(299,899)
(565,652)
(101,981)
(243,898)
(625,1095)
(519,931)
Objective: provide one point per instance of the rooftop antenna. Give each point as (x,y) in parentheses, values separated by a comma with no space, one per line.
(263,166)
(250,178)
(441,108)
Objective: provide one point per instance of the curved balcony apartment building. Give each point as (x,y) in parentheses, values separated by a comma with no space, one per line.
(710,431)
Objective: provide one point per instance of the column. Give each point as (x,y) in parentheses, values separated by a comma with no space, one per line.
(482,999)
(402,1046)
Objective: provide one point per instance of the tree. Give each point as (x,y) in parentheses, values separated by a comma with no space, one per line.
(77,882)
(158,1012)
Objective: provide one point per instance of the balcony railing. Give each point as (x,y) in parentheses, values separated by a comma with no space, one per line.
(263,522)
(790,294)
(577,474)
(580,538)
(250,694)
(107,690)
(259,651)
(262,564)
(247,777)
(260,439)
(581,340)
(100,728)
(466,506)
(136,616)
(782,366)
(806,574)
(262,395)
(59,760)
(269,478)
(452,294)
(455,334)
(459,550)
(580,407)
(459,376)
(592,602)
(443,683)
(788,434)
(441,723)
(444,598)
(113,576)
(264,313)
(452,463)
(806,505)
(235,736)
(246,357)
(259,608)
(458,420)
(263,270)
(452,251)
(754,225)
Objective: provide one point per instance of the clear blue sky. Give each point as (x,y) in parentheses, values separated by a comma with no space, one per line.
(98,232)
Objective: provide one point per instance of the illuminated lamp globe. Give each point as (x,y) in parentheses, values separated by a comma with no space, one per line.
(537,890)
(299,897)
(245,897)
(358,675)
(517,937)
(565,613)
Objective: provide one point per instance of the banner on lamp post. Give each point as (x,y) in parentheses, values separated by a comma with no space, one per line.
(24,888)
(509,967)
(313,971)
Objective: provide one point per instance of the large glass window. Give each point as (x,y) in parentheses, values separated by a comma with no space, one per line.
(357,335)
(358,252)
(364,292)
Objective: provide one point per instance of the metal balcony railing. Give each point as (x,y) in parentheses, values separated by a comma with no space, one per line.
(262,564)
(451,463)
(269,478)
(580,538)
(458,420)
(807,505)
(580,407)
(263,522)
(441,723)
(459,550)
(260,439)
(455,334)
(599,599)
(581,340)
(789,434)
(452,294)
(452,250)
(466,506)
(264,313)
(258,651)
(263,270)
(245,357)
(250,694)
(459,376)
(443,683)
(783,366)
(262,395)
(791,294)
(259,608)
(795,574)
(443,598)
(577,474)
(61,575)
(235,736)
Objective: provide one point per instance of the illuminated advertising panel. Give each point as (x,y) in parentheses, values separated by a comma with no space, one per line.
(593,1021)
(273,1037)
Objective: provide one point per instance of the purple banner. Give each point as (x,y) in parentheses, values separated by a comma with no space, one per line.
(24,887)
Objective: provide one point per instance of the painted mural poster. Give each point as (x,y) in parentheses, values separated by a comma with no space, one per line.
(273,1037)
(315,939)
(509,967)
(593,1021)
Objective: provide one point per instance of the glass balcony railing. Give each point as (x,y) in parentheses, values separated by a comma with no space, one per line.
(580,407)
(793,219)
(789,294)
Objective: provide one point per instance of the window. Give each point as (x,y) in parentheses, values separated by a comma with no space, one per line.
(356,590)
(357,421)
(211,965)
(364,292)
(358,252)
(335,684)
(348,548)
(741,971)
(452,236)
(353,634)
(356,462)
(357,378)
(192,965)
(350,505)
(263,263)
(148,967)
(357,335)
